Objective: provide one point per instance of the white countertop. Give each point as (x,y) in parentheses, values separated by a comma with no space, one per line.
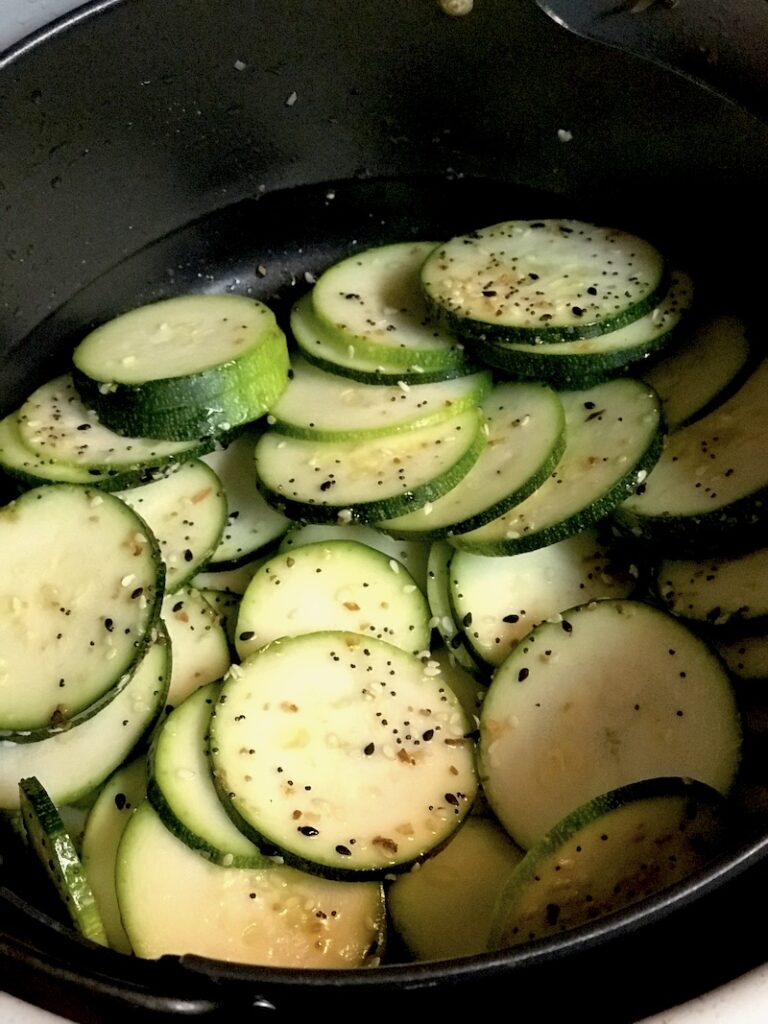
(744,1001)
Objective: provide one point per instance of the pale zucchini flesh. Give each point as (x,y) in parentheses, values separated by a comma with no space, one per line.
(186,511)
(614,438)
(348,755)
(251,523)
(499,600)
(708,491)
(200,648)
(615,692)
(322,347)
(104,827)
(74,763)
(173,901)
(55,424)
(444,907)
(365,481)
(317,404)
(541,281)
(695,377)
(74,628)
(525,439)
(181,787)
(333,585)
(373,305)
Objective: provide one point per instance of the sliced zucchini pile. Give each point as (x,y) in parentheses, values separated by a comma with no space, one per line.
(338,641)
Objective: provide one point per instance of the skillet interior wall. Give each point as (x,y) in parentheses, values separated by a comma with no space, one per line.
(147,115)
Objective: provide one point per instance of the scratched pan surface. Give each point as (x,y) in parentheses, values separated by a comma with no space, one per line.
(151,149)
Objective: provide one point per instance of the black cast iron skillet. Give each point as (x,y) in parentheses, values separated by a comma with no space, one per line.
(152,147)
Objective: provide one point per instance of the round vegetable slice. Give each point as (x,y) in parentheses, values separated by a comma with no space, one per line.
(364,481)
(614,438)
(172,900)
(525,430)
(56,852)
(181,787)
(183,367)
(80,593)
(321,346)
(55,424)
(317,404)
(186,512)
(333,585)
(461,883)
(541,281)
(372,306)
(347,754)
(619,848)
(74,763)
(615,692)
(708,490)
(122,793)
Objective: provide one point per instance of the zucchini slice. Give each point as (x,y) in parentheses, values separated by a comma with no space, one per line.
(183,367)
(498,600)
(372,306)
(56,853)
(186,511)
(542,281)
(29,468)
(345,753)
(461,883)
(181,787)
(172,900)
(252,524)
(122,793)
(321,347)
(74,763)
(199,642)
(322,405)
(614,437)
(333,585)
(365,481)
(707,492)
(588,361)
(730,592)
(525,430)
(55,425)
(615,692)
(411,554)
(443,618)
(616,849)
(693,379)
(80,593)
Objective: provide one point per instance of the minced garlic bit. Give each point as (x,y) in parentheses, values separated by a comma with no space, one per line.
(456,8)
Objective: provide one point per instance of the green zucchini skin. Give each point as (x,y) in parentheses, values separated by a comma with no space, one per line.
(56,852)
(184,367)
(210,403)
(571,365)
(322,347)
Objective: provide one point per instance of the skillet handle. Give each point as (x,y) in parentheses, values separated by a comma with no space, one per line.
(719,44)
